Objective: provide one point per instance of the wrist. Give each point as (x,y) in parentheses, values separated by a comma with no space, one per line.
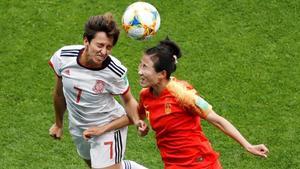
(133,120)
(136,122)
(106,128)
(248,146)
(59,124)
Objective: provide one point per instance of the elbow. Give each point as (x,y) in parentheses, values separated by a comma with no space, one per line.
(220,122)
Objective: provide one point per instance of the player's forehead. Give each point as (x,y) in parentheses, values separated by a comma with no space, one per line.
(147,59)
(102,38)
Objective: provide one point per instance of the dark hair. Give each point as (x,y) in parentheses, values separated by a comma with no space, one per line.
(101,23)
(165,56)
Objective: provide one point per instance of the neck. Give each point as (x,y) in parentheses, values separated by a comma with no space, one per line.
(159,87)
(86,61)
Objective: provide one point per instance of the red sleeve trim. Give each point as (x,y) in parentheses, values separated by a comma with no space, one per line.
(51,65)
(127,90)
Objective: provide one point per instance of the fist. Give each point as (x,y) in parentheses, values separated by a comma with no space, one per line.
(55,131)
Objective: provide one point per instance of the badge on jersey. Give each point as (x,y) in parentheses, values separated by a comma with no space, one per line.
(168,107)
(125,80)
(202,104)
(147,112)
(99,86)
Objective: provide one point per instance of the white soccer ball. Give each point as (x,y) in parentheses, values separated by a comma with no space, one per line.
(141,20)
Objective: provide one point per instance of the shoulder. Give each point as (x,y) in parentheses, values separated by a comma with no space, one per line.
(65,55)
(69,51)
(181,90)
(117,67)
(180,84)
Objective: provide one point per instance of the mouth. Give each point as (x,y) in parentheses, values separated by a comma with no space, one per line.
(142,80)
(100,57)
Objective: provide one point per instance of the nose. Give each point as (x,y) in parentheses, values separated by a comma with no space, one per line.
(140,71)
(103,51)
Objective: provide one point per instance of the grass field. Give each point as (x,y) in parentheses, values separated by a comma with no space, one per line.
(242,55)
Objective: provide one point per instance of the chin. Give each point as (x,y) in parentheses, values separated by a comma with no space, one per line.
(143,85)
(97,61)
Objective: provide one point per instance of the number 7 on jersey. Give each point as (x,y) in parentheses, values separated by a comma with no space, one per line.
(79,91)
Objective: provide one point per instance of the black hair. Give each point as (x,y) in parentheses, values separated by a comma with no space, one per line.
(164,56)
(101,23)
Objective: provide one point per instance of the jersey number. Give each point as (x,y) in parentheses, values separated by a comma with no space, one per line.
(110,143)
(79,91)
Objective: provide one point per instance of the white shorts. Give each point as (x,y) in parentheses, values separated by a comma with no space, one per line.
(105,150)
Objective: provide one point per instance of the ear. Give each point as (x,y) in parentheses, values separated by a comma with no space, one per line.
(85,41)
(163,74)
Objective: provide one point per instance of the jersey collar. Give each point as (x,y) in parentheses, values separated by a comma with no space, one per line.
(105,63)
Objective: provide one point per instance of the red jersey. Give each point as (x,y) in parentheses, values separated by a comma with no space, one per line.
(175,116)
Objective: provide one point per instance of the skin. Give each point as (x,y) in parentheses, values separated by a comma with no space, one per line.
(59,106)
(95,52)
(158,81)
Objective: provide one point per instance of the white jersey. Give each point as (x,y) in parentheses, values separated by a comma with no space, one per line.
(89,93)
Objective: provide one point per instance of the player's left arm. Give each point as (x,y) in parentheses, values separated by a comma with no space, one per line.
(225,126)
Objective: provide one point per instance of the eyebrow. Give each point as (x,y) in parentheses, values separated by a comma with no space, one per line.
(101,43)
(146,64)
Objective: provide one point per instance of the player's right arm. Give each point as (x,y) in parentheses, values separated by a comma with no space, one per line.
(59,102)
(99,130)
(143,128)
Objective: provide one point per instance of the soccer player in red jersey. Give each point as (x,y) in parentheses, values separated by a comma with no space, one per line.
(174,110)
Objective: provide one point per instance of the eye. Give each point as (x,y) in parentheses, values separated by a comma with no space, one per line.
(100,45)
(109,47)
(141,65)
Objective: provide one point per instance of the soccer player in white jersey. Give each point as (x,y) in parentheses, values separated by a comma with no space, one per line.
(88,77)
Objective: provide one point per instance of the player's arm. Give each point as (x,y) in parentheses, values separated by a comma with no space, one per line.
(131,106)
(99,130)
(59,102)
(129,103)
(225,126)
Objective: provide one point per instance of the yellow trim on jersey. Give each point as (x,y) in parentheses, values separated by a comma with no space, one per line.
(188,98)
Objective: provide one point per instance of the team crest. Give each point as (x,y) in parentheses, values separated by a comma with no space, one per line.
(147,112)
(99,86)
(125,80)
(168,108)
(67,72)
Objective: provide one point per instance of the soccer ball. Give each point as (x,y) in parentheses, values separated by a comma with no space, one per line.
(141,20)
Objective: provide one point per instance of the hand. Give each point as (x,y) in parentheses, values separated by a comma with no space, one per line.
(259,150)
(55,131)
(93,131)
(142,128)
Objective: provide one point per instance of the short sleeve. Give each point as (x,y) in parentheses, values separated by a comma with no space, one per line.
(120,85)
(188,98)
(203,106)
(55,63)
